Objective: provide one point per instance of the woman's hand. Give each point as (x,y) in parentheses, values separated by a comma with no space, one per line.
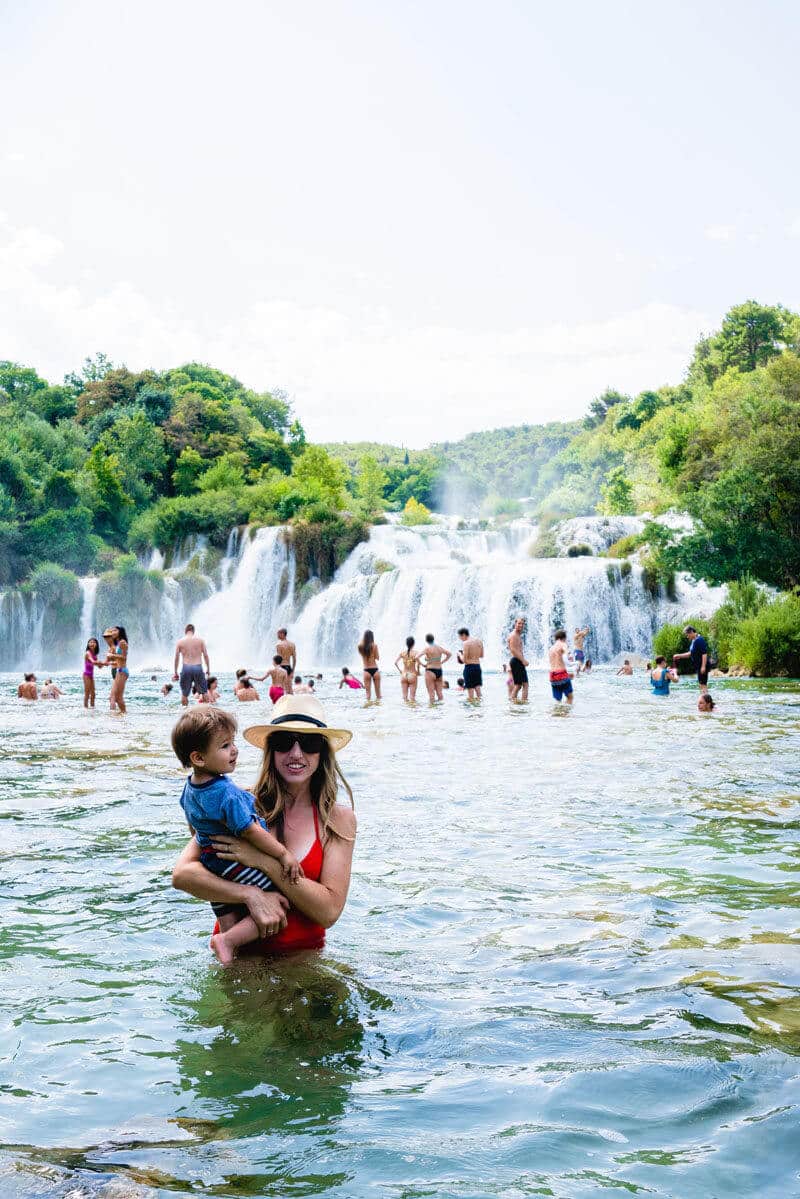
(268,910)
(236,849)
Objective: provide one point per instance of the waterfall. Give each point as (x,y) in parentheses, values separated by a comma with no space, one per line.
(401,581)
(21,621)
(415,581)
(89,591)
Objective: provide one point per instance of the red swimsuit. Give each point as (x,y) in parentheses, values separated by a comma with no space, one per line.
(300,932)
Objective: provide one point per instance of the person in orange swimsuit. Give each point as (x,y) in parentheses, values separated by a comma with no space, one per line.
(296,793)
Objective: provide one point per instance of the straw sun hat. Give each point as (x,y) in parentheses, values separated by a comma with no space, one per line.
(297,714)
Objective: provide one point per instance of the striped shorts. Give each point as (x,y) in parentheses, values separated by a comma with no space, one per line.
(234,872)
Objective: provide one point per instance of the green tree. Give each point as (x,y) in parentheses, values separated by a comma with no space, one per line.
(112,507)
(314,470)
(751,334)
(227,474)
(187,471)
(617,494)
(139,448)
(370,484)
(602,405)
(19,384)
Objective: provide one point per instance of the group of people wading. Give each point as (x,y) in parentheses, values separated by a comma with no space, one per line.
(192,669)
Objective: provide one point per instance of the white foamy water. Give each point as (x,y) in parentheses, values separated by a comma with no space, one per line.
(400,582)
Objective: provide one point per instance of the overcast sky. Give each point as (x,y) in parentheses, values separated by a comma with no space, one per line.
(417,219)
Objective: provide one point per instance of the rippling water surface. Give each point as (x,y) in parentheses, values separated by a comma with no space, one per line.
(568,965)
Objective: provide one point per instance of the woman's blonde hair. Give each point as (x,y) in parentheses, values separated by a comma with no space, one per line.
(325,782)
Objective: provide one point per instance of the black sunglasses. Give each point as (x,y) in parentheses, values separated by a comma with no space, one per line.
(310,743)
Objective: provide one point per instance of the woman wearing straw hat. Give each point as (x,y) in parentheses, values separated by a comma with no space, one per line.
(296,793)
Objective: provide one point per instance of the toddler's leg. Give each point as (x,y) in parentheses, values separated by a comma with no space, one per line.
(232,933)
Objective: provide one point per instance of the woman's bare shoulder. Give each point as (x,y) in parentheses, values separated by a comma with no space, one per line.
(344,819)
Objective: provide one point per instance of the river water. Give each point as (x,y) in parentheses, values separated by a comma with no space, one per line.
(568,965)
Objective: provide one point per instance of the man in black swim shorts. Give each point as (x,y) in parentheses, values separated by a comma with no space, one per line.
(518,663)
(698,652)
(471,654)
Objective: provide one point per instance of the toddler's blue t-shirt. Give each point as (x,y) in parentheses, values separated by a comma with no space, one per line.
(218,806)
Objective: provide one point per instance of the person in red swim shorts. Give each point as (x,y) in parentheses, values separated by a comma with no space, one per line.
(296,793)
(560,677)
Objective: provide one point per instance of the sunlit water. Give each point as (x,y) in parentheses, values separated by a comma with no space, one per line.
(568,964)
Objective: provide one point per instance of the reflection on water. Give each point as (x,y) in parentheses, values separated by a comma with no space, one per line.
(568,963)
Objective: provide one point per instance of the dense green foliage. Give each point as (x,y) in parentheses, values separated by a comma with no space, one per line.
(749,632)
(768,643)
(114,460)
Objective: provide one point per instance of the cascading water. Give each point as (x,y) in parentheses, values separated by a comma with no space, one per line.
(415,581)
(401,581)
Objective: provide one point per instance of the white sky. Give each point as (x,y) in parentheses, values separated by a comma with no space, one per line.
(418,219)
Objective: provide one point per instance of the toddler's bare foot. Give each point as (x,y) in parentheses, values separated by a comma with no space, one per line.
(221,949)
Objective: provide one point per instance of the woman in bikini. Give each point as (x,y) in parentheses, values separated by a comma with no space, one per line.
(433,657)
(296,793)
(369,656)
(117,657)
(409,671)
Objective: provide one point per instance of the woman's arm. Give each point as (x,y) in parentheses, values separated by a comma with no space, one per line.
(322,902)
(267,908)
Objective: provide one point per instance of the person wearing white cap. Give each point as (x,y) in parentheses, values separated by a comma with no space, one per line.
(296,794)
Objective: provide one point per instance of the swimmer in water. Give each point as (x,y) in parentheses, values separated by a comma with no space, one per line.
(705,702)
(625,668)
(560,677)
(349,680)
(50,690)
(27,690)
(246,692)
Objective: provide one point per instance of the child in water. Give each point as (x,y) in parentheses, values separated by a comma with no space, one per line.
(348,680)
(204,739)
(91,658)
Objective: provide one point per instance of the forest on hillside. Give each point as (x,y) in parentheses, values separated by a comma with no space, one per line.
(110,463)
(722,444)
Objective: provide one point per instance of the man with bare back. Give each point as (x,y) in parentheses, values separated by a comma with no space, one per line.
(518,663)
(579,653)
(288,655)
(433,658)
(560,677)
(193,650)
(470,654)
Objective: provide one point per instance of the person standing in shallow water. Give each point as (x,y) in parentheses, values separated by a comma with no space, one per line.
(579,654)
(117,657)
(287,651)
(193,651)
(433,658)
(27,689)
(369,656)
(409,671)
(518,663)
(560,677)
(698,652)
(470,654)
(91,659)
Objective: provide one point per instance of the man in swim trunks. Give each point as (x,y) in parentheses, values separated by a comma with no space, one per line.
(560,677)
(518,663)
(433,658)
(578,653)
(288,656)
(698,652)
(278,678)
(193,651)
(471,654)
